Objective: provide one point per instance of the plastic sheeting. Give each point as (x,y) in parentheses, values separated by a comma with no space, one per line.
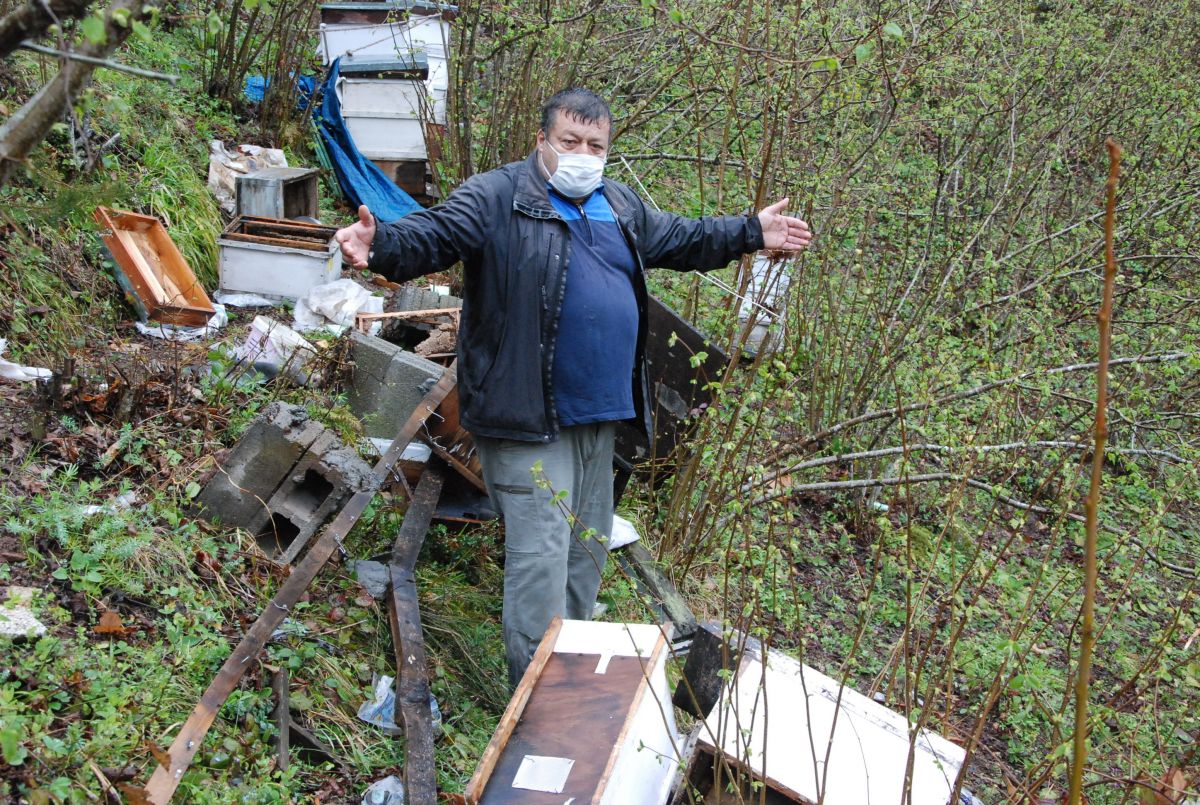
(360,180)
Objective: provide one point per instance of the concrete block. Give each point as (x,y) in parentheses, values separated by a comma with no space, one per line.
(410,297)
(387,383)
(284,479)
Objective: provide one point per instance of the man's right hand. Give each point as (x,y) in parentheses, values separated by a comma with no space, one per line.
(357,238)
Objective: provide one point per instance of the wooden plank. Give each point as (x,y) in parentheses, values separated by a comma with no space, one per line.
(512,714)
(309,245)
(577,714)
(630,713)
(283,716)
(661,589)
(412,685)
(165,780)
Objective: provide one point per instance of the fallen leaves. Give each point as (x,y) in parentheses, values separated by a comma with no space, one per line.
(110,625)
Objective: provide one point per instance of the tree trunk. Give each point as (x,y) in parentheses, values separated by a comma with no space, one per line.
(31,21)
(29,124)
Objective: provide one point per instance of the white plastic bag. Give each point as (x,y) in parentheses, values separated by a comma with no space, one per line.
(15,371)
(224,166)
(334,302)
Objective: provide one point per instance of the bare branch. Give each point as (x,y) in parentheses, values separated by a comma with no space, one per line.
(111,65)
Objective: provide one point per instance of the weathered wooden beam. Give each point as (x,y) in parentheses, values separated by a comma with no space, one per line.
(412,676)
(638,562)
(283,717)
(165,779)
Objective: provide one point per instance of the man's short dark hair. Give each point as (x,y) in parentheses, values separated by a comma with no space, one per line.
(577,102)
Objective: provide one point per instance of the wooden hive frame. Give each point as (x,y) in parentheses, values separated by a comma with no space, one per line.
(153,265)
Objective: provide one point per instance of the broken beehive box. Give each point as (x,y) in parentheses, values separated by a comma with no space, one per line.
(591,721)
(283,480)
(277,259)
(790,734)
(151,270)
(278,193)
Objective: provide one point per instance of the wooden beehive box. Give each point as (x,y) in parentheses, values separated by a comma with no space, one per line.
(594,703)
(278,193)
(151,269)
(277,259)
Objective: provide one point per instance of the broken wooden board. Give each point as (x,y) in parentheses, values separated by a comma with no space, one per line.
(590,720)
(165,779)
(670,606)
(807,737)
(162,285)
(404,614)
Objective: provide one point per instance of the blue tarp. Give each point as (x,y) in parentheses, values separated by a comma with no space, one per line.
(360,180)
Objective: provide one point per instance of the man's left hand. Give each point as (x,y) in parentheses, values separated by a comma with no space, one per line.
(783,233)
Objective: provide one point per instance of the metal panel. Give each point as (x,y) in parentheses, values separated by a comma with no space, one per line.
(677,388)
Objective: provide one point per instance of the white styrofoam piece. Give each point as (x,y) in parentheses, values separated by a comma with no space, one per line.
(539,773)
(388,138)
(868,744)
(617,639)
(276,272)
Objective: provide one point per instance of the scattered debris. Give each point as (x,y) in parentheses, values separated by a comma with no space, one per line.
(623,533)
(15,371)
(293,734)
(413,695)
(336,303)
(224,166)
(17,621)
(380,710)
(119,503)
(593,698)
(275,348)
(286,476)
(277,259)
(151,270)
(166,776)
(171,332)
(373,576)
(388,791)
(278,193)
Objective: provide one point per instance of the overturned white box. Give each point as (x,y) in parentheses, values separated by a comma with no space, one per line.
(809,739)
(590,720)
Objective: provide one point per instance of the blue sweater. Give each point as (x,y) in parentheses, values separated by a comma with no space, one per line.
(597,332)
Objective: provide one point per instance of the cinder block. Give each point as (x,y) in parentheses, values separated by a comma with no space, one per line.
(387,383)
(283,480)
(410,297)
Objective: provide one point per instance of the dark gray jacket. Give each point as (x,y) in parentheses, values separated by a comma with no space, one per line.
(516,251)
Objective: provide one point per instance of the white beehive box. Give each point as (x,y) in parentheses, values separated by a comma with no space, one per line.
(277,259)
(425,36)
(769,720)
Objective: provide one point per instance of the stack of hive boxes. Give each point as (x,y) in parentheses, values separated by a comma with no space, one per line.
(394,80)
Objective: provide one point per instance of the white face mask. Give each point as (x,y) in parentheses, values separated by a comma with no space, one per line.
(577,175)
